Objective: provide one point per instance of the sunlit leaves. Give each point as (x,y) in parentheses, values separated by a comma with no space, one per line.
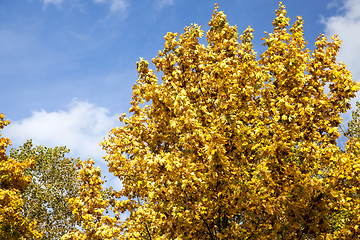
(90,206)
(12,184)
(231,146)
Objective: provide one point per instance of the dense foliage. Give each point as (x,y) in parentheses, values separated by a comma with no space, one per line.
(353,130)
(54,180)
(227,145)
(231,146)
(13,225)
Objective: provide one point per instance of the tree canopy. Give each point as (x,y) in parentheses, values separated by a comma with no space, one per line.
(54,180)
(230,145)
(353,130)
(13,225)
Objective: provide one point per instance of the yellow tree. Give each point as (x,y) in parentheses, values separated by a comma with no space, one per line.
(89,207)
(12,183)
(228,146)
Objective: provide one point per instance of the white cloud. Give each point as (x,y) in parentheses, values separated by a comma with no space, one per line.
(334,4)
(52,1)
(346,24)
(162,3)
(79,36)
(115,5)
(118,5)
(81,128)
(55,2)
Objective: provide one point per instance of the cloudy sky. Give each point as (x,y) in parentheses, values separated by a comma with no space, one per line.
(67,66)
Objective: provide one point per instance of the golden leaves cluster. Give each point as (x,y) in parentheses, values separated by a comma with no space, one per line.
(91,204)
(12,183)
(230,146)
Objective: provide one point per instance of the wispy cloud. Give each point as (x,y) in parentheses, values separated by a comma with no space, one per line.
(55,2)
(334,4)
(346,24)
(163,3)
(119,5)
(115,5)
(52,1)
(79,36)
(81,128)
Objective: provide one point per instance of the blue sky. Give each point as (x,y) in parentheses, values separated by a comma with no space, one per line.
(67,66)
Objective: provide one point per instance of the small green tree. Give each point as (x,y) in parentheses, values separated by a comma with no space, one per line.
(54,179)
(353,130)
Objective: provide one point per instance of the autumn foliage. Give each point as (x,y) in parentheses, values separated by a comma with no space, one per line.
(90,206)
(230,145)
(12,183)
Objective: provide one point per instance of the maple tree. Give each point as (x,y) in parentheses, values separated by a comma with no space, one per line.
(228,146)
(54,180)
(90,206)
(12,183)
